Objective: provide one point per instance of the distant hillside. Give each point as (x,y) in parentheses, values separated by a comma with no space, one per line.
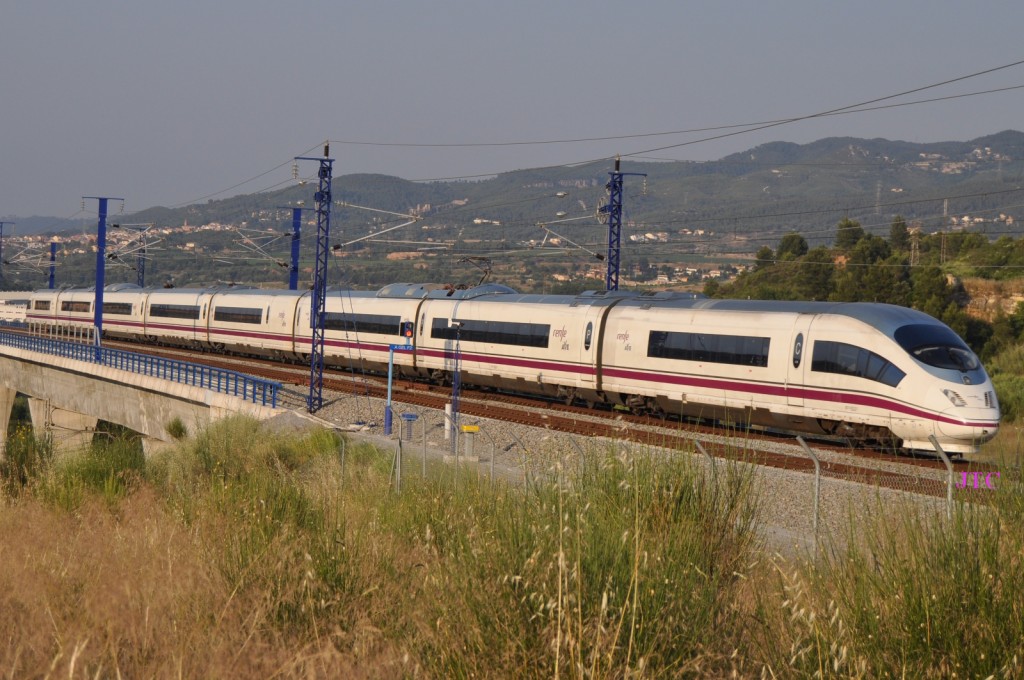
(40,225)
(767,190)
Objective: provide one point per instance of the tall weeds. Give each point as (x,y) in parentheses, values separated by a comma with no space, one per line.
(617,564)
(244,553)
(914,595)
(24,460)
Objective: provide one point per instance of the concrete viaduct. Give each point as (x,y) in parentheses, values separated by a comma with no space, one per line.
(68,396)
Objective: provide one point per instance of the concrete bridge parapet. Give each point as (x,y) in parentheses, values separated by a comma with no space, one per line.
(67,397)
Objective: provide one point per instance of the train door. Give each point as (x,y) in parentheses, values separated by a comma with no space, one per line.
(798,360)
(302,331)
(200,325)
(588,345)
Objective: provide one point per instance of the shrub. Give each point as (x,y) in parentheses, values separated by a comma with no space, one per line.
(177,429)
(24,460)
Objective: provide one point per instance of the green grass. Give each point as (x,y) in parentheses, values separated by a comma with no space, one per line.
(245,553)
(25,458)
(912,594)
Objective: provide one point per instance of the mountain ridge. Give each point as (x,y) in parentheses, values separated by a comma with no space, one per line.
(763,187)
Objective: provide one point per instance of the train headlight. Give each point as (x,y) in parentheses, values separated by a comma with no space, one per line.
(955,398)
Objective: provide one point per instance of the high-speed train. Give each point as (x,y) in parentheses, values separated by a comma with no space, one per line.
(873,373)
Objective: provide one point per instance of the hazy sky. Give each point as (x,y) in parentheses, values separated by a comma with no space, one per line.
(169,103)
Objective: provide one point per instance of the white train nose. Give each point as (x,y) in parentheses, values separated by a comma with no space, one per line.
(977,425)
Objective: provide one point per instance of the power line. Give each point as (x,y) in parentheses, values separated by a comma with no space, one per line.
(851,108)
(740,128)
(580,140)
(244,182)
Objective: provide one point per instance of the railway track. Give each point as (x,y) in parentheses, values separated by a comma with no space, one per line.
(867,467)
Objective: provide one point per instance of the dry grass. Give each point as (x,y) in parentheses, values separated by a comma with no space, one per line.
(248,554)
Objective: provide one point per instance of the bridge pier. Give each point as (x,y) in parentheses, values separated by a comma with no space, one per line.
(7,396)
(151,445)
(68,430)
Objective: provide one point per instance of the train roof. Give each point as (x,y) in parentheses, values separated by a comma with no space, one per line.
(885,317)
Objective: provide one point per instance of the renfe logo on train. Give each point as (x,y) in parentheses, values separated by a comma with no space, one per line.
(560,335)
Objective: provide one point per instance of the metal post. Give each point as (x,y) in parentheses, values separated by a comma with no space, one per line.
(396,466)
(711,459)
(456,385)
(614,212)
(492,451)
(53,261)
(949,475)
(293,273)
(101,261)
(2,246)
(318,300)
(140,266)
(388,414)
(817,486)
(387,404)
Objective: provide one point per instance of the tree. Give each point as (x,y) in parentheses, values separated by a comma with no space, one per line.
(931,291)
(792,246)
(1003,335)
(764,257)
(848,233)
(899,234)
(867,275)
(814,275)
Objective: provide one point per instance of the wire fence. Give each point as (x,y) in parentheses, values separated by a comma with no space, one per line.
(814,477)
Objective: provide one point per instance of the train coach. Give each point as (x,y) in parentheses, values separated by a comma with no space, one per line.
(869,372)
(873,373)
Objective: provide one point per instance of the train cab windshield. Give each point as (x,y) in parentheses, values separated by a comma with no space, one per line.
(937,346)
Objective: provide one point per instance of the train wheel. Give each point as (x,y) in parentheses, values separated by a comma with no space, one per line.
(655,410)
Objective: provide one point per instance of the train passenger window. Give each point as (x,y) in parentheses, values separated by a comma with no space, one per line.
(798,350)
(739,350)
(117,308)
(75,306)
(175,311)
(381,324)
(845,359)
(238,315)
(588,335)
(42,304)
(494,332)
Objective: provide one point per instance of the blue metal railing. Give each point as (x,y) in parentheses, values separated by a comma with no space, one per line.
(256,390)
